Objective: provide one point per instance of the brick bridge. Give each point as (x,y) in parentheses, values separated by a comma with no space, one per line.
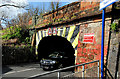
(80,23)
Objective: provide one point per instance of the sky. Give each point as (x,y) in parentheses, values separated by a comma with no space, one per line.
(12,12)
(46,4)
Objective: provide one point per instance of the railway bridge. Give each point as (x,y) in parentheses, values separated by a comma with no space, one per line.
(75,29)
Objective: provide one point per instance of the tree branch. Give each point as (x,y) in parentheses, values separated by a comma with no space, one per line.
(12,5)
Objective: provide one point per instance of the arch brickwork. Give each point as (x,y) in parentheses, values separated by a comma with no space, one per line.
(71,33)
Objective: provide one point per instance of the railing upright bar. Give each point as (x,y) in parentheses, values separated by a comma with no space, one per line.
(58,74)
(98,70)
(83,69)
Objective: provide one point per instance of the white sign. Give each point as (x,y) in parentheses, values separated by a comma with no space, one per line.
(105,3)
(88,38)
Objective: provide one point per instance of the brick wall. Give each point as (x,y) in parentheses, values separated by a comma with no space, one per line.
(71,12)
(88,52)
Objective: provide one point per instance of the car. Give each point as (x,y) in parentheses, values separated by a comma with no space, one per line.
(55,60)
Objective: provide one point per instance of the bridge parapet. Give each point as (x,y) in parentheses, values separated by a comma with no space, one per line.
(70,12)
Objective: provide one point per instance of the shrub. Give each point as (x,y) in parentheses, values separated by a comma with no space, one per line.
(16,32)
(114,26)
(13,55)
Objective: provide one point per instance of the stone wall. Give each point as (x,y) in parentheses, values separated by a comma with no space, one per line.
(113,59)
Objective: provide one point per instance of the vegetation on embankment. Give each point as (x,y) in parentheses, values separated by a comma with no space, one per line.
(16,46)
(16,32)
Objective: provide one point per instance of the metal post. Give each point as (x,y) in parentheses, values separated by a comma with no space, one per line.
(35,33)
(83,69)
(58,75)
(102,45)
(98,69)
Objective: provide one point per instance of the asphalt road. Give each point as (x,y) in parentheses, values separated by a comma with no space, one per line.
(26,70)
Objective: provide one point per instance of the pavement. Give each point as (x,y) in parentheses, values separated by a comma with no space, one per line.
(26,71)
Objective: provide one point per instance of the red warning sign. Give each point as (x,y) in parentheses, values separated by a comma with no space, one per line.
(54,31)
(49,31)
(88,38)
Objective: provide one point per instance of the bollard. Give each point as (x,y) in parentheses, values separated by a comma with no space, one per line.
(98,70)
(83,69)
(58,75)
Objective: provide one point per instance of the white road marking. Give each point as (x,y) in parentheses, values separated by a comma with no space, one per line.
(9,72)
(19,71)
(38,74)
(34,75)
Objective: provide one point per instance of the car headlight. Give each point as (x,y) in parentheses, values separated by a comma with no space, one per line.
(44,61)
(52,62)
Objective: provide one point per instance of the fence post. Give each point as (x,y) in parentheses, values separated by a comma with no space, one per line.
(58,74)
(98,69)
(83,69)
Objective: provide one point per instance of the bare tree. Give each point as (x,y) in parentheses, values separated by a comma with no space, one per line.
(54,5)
(23,19)
(1,26)
(57,4)
(12,5)
(8,4)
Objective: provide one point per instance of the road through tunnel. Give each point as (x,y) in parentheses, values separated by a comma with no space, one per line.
(52,44)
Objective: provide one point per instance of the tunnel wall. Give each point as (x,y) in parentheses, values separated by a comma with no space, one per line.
(71,33)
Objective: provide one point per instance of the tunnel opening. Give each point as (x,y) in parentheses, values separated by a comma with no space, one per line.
(52,44)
